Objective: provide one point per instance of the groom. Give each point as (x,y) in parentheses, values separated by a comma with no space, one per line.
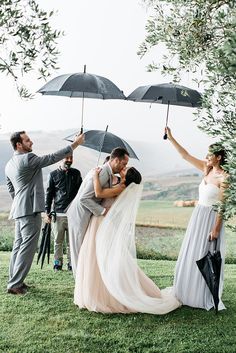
(85,204)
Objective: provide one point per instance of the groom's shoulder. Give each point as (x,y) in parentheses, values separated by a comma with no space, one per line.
(105,169)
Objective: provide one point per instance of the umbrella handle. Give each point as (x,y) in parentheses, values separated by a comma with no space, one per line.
(82,114)
(167,116)
(215,247)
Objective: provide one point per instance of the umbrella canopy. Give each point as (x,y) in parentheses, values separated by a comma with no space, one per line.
(167,93)
(210,267)
(103,141)
(44,248)
(82,85)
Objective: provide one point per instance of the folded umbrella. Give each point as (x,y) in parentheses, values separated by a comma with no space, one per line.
(210,268)
(44,248)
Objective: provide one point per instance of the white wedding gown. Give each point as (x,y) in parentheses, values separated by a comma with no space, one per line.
(108,278)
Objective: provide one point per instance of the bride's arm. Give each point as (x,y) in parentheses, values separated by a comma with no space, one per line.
(198,163)
(108,192)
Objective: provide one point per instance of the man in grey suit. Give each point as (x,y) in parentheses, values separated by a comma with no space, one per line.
(25,184)
(85,204)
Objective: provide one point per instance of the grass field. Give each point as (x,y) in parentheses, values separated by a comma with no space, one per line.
(153,213)
(45,320)
(163,213)
(159,238)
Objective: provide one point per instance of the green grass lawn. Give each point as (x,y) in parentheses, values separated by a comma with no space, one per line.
(160,241)
(163,213)
(45,320)
(165,240)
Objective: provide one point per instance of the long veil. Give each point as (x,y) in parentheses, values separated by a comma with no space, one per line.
(117,262)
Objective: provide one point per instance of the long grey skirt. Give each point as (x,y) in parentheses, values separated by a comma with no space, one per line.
(189,285)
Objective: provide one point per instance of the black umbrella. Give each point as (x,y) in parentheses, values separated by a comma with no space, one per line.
(167,93)
(103,141)
(44,248)
(82,85)
(210,267)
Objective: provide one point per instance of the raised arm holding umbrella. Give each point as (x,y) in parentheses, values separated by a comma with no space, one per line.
(25,184)
(205,226)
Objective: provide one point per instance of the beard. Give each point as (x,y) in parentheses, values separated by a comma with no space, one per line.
(67,165)
(27,148)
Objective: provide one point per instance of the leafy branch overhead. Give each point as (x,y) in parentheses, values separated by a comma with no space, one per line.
(27,41)
(200,38)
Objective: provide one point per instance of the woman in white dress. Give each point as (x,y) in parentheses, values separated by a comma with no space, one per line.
(108,278)
(205,226)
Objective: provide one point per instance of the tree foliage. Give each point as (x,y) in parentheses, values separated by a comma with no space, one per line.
(27,41)
(200,38)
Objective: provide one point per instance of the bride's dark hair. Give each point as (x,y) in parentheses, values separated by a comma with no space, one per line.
(132,176)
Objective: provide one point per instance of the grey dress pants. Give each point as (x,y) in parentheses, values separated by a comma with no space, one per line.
(60,232)
(27,231)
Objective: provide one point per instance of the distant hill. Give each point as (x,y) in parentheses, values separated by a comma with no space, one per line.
(185,191)
(156,163)
(172,186)
(154,159)
(5,152)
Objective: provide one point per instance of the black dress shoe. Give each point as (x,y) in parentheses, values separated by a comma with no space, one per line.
(69,267)
(20,291)
(57,268)
(25,286)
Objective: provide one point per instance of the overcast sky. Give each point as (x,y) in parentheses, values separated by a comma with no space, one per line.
(104,35)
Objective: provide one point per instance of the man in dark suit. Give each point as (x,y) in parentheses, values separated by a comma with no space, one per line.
(25,184)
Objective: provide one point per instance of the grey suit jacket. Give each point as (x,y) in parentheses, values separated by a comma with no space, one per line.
(85,203)
(25,181)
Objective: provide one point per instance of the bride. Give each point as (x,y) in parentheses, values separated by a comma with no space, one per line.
(108,278)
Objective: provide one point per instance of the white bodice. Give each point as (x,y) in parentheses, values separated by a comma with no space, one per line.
(209,194)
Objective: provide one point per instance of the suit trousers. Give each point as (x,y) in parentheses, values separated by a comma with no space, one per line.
(27,231)
(75,241)
(60,233)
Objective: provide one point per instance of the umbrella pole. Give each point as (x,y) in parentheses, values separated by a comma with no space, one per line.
(167,116)
(82,116)
(82,113)
(102,142)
